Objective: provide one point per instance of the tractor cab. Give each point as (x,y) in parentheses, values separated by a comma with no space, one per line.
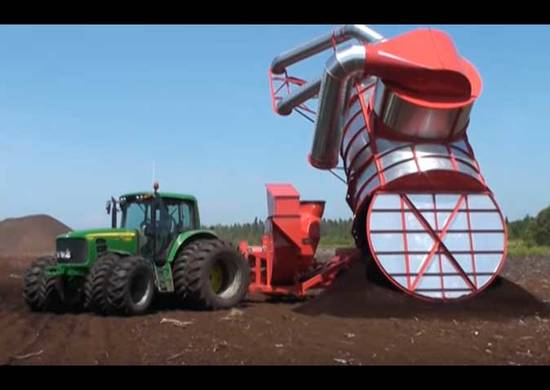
(158,219)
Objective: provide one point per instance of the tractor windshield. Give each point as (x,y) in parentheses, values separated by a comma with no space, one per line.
(172,216)
(135,213)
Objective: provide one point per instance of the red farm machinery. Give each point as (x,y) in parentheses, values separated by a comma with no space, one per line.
(285,264)
(395,112)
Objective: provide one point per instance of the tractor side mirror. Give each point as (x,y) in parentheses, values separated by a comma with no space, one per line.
(108,207)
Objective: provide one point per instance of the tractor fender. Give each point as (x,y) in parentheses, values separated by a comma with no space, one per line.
(185,239)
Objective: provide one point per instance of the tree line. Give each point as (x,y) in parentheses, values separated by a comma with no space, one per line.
(333,231)
(533,231)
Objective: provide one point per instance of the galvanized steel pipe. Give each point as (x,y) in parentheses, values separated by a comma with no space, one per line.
(358,31)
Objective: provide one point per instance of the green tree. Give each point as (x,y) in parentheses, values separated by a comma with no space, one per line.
(522,229)
(541,227)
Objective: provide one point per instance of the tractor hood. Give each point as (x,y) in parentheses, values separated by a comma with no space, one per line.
(87,244)
(105,233)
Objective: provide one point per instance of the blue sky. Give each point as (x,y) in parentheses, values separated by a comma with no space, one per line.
(86,110)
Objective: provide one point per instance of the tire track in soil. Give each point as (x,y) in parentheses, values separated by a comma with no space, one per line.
(24,336)
(62,338)
(12,334)
(111,331)
(99,342)
(108,340)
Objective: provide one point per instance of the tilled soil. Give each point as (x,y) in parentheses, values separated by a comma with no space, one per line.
(355,322)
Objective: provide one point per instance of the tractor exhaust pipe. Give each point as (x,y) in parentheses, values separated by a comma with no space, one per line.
(114,211)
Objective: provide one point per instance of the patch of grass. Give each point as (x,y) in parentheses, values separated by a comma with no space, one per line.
(519,248)
(329,242)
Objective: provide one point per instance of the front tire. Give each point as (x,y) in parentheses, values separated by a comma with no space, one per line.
(40,291)
(95,286)
(130,286)
(211,274)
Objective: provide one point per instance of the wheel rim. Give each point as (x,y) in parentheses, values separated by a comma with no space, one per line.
(140,288)
(216,277)
(225,278)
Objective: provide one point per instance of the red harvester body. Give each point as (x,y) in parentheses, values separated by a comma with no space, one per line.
(395,112)
(285,263)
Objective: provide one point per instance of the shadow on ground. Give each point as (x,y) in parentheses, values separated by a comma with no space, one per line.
(353,296)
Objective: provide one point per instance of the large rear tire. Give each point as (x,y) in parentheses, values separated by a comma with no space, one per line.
(95,286)
(211,274)
(41,292)
(179,271)
(131,286)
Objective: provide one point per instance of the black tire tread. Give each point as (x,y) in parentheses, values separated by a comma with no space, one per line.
(39,291)
(118,281)
(95,286)
(188,275)
(179,270)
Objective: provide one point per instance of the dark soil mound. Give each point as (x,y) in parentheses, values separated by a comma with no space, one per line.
(353,295)
(29,236)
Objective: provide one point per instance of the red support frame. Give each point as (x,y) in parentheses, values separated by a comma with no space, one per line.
(438,248)
(440,263)
(438,240)
(321,275)
(372,139)
(471,241)
(281,86)
(405,242)
(356,193)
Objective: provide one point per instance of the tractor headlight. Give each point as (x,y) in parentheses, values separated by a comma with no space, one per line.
(64,255)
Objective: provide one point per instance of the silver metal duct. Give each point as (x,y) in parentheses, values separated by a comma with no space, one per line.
(307,91)
(414,120)
(299,96)
(358,31)
(339,70)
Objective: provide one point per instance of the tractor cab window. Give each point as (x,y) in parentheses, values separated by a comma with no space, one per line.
(187,216)
(180,215)
(165,221)
(134,215)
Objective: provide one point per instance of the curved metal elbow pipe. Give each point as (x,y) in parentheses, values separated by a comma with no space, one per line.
(358,31)
(340,69)
(299,96)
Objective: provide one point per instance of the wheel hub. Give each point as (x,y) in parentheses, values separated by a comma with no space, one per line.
(216,278)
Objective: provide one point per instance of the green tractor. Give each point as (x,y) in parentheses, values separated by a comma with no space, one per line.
(158,248)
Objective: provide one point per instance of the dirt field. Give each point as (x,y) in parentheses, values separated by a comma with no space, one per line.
(357,323)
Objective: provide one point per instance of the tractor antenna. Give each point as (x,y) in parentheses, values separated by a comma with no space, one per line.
(155,181)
